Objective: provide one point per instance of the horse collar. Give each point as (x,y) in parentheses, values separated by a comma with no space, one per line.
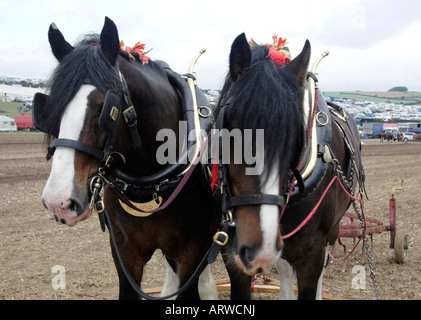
(142,195)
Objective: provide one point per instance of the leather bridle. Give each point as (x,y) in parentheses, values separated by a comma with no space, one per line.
(114,105)
(229,201)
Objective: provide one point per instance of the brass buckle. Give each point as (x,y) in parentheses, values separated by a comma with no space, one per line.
(217,241)
(129,109)
(99,206)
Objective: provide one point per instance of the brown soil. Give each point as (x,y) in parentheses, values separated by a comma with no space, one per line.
(31,243)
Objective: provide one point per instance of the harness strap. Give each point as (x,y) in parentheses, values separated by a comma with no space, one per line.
(94,152)
(130,118)
(254,199)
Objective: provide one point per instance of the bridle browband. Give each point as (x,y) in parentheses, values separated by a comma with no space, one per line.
(77,145)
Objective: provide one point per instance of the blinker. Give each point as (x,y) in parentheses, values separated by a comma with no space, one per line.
(41,113)
(108,119)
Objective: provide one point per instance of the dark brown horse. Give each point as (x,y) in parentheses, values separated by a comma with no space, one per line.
(260,94)
(100,143)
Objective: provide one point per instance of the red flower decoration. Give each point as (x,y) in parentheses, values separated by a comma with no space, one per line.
(137,49)
(277,51)
(278,43)
(278,57)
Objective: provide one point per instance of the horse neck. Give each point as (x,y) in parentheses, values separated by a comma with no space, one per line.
(157,106)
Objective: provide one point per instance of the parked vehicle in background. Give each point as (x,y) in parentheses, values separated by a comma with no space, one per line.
(408,136)
(7,124)
(24,122)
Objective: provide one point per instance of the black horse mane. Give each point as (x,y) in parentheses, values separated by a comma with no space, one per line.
(268,97)
(86,64)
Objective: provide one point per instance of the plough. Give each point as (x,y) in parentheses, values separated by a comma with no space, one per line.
(351,228)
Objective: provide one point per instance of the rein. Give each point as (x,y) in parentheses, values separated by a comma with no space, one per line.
(220,239)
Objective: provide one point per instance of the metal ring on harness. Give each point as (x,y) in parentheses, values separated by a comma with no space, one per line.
(323,114)
(208,111)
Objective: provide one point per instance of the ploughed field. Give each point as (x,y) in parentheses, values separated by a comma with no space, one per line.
(34,250)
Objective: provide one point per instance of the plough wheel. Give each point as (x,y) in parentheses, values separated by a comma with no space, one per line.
(401,247)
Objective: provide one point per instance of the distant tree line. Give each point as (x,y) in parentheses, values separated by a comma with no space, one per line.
(398,89)
(24,83)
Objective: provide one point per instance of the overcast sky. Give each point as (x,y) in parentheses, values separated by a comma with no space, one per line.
(373,44)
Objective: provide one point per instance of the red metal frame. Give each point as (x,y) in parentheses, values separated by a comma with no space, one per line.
(352,228)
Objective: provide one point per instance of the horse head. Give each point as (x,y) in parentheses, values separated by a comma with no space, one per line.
(81,116)
(259,94)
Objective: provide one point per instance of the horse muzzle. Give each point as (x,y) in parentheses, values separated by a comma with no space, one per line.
(66,210)
(253,263)
(258,238)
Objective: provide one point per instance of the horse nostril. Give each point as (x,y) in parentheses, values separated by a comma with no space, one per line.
(44,204)
(76,206)
(72,205)
(246,256)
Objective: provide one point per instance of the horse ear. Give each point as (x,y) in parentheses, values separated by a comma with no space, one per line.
(59,45)
(299,65)
(110,43)
(240,57)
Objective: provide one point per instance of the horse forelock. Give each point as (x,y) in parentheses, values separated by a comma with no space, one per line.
(268,97)
(86,64)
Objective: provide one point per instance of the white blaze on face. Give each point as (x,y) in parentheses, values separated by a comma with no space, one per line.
(269,221)
(269,213)
(59,187)
(269,252)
